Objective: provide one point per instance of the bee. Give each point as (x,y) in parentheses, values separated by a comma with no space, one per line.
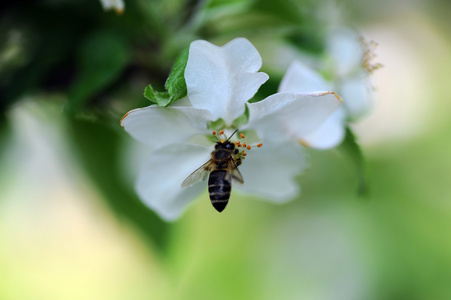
(223,169)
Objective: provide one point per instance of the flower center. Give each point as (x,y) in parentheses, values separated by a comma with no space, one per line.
(239,143)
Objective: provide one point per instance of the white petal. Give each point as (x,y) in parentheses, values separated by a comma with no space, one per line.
(285,114)
(357,97)
(302,79)
(162,126)
(184,102)
(329,134)
(117,5)
(346,51)
(270,171)
(222,79)
(159,184)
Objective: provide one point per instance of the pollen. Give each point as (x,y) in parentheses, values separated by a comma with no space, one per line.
(222,141)
(238,144)
(248,147)
(242,135)
(369,56)
(244,154)
(214,132)
(221,132)
(244,145)
(259,145)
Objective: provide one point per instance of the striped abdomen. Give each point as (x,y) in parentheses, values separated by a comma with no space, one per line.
(219,188)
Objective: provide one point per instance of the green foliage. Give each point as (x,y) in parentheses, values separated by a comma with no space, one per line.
(288,10)
(175,84)
(224,3)
(159,98)
(352,150)
(241,120)
(44,38)
(98,149)
(101,58)
(101,64)
(398,246)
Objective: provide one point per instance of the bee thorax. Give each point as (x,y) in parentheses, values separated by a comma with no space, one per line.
(221,155)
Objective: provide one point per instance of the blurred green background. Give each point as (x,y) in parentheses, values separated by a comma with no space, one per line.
(71,226)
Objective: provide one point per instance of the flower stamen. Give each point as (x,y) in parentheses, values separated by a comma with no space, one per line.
(369,55)
(242,135)
(221,132)
(214,132)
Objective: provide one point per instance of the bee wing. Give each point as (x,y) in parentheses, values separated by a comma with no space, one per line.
(235,173)
(199,175)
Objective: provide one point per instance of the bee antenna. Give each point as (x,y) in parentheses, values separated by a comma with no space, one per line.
(232,134)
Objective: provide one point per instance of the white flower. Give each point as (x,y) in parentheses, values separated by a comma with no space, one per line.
(117,5)
(220,81)
(348,78)
(349,54)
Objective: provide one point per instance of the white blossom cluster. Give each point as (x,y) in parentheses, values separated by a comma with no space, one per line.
(306,111)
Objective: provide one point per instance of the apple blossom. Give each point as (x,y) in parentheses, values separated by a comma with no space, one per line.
(347,69)
(220,81)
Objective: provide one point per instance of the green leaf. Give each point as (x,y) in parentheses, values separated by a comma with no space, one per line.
(352,150)
(175,84)
(286,10)
(101,58)
(222,4)
(159,98)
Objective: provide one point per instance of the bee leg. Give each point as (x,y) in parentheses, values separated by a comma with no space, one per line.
(238,162)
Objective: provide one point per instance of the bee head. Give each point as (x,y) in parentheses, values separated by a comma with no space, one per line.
(225,145)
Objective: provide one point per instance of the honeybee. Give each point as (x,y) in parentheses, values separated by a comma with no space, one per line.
(223,169)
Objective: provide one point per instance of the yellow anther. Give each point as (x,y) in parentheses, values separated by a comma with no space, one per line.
(369,55)
(304,143)
(221,132)
(242,135)
(248,147)
(222,141)
(214,132)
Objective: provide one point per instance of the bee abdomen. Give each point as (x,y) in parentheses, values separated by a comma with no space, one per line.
(219,189)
